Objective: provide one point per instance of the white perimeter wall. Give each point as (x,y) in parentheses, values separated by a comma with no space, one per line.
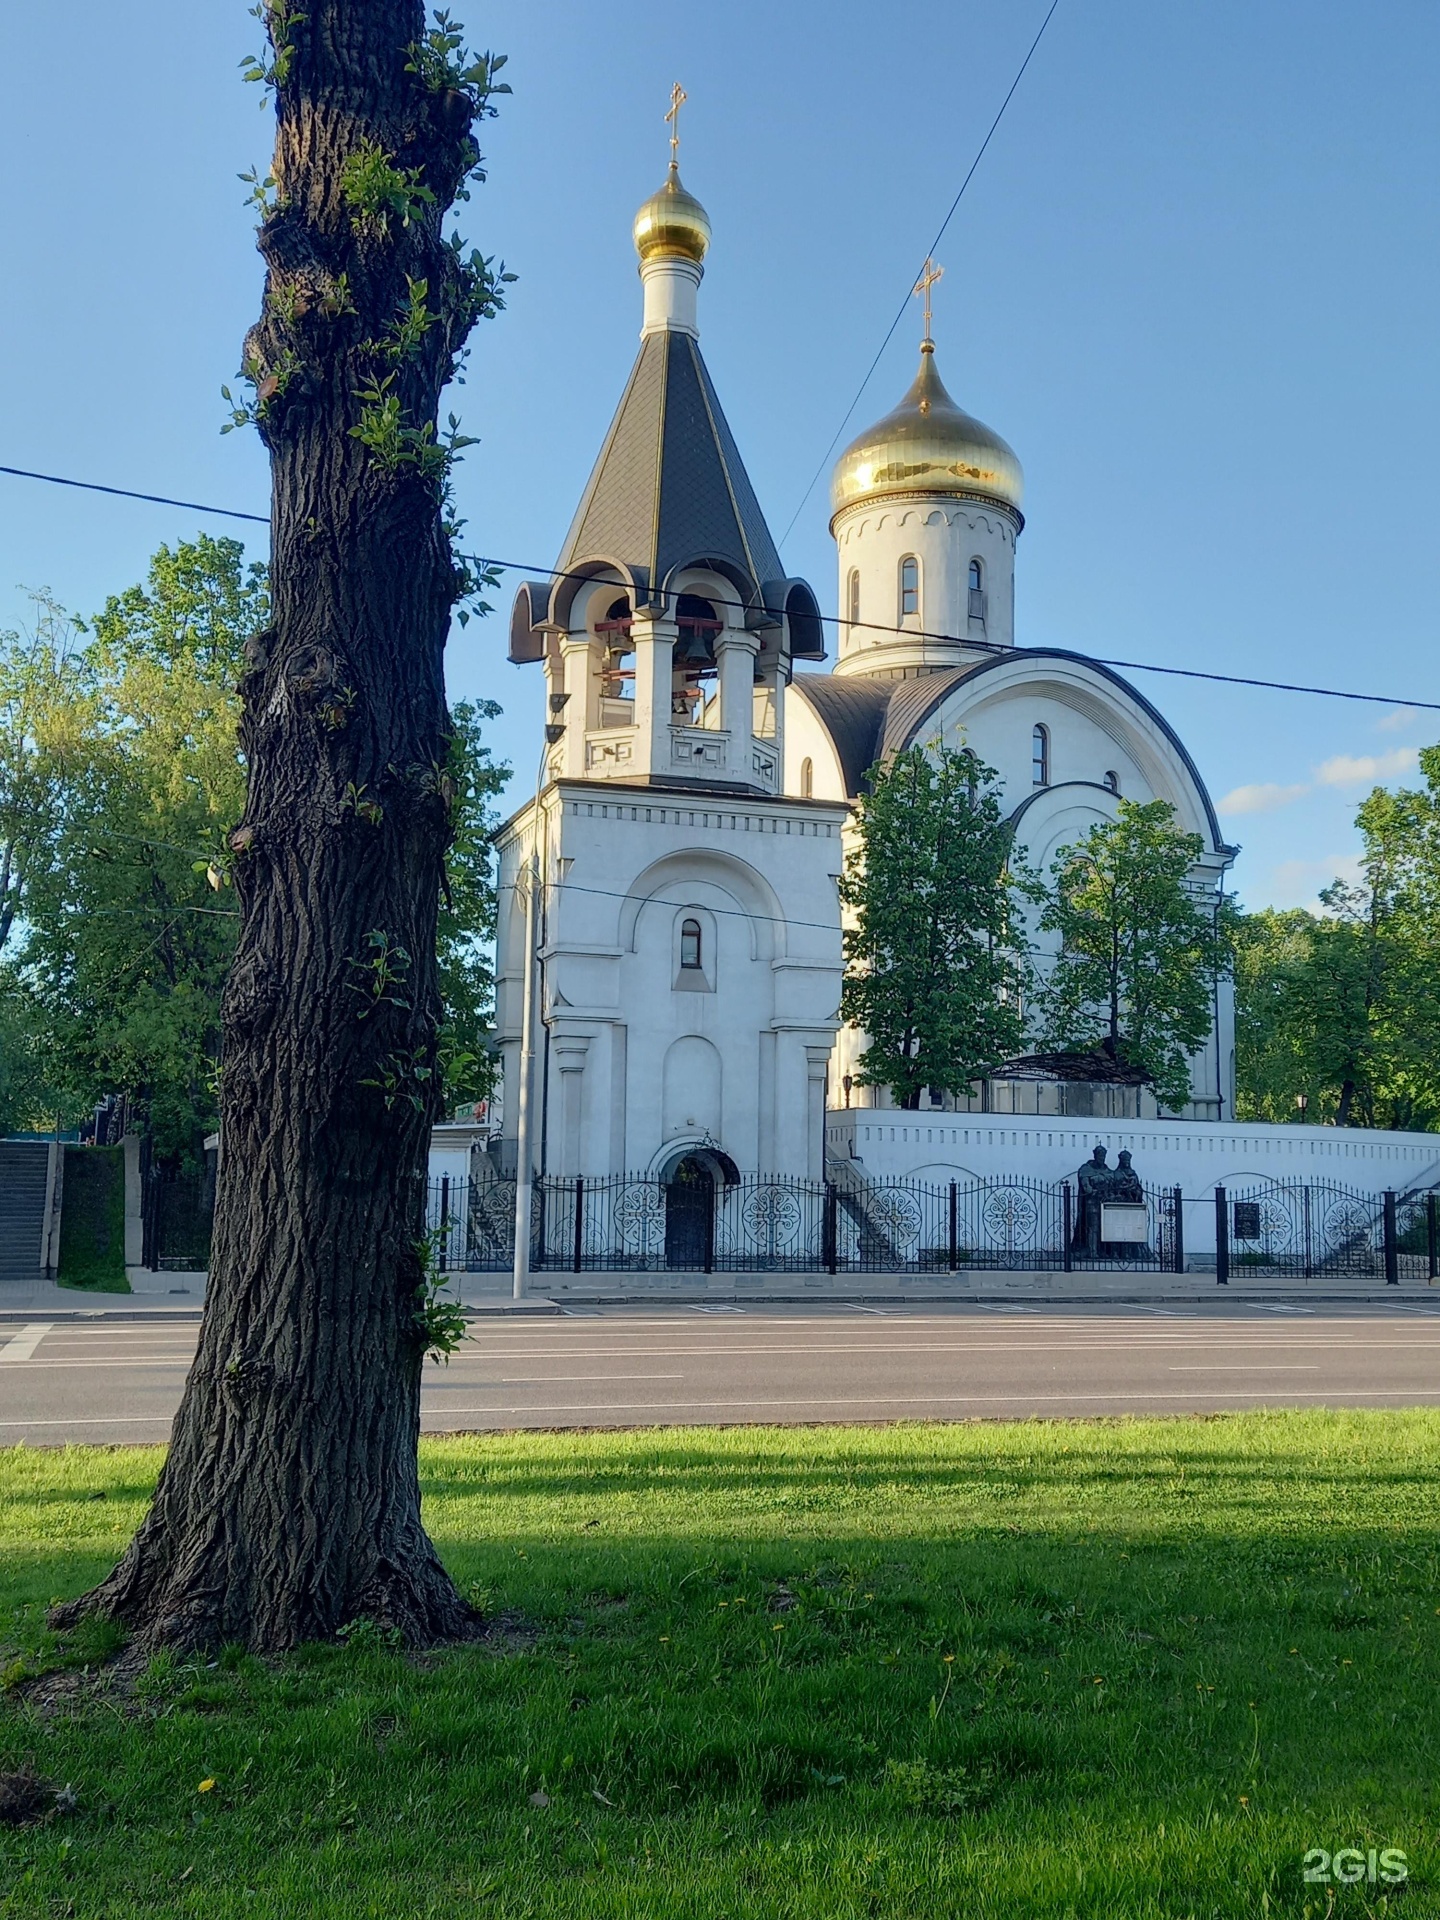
(1194,1155)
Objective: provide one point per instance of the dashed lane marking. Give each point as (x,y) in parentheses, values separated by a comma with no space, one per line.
(22,1345)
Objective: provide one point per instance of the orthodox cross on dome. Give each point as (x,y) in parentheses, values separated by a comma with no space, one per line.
(678,97)
(927,280)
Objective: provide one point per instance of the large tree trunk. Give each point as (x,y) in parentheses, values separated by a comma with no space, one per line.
(289,1504)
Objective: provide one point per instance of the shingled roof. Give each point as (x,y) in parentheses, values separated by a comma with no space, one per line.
(670,490)
(669,487)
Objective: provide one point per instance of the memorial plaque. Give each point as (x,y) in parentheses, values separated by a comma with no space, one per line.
(1124,1223)
(1247,1219)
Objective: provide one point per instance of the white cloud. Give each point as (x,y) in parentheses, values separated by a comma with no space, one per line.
(1397,720)
(1262,797)
(1297,883)
(1359,769)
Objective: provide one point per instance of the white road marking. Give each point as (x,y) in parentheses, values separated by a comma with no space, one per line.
(22,1345)
(1248,1366)
(694,1309)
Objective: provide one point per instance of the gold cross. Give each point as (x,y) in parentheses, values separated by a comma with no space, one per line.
(923,285)
(678,97)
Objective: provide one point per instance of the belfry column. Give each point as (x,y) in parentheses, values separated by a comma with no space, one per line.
(735,652)
(653,638)
(575,716)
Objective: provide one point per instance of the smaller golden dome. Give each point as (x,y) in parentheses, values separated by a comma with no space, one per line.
(927,445)
(672,224)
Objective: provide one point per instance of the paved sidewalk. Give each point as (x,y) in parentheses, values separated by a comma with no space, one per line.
(551,1293)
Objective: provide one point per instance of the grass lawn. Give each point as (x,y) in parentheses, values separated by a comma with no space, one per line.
(1042,1670)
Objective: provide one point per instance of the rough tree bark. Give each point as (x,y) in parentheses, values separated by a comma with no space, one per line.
(289,1504)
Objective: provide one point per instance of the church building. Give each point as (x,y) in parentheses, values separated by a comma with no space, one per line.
(690,821)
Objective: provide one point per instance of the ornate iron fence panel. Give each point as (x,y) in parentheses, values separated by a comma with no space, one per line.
(181,1207)
(1289,1229)
(773,1224)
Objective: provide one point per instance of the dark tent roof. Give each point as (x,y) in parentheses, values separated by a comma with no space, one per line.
(669,487)
(670,490)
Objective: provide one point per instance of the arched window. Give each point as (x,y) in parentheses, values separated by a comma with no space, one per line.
(976,600)
(807,779)
(1040,757)
(1112,781)
(690,955)
(909,587)
(852,597)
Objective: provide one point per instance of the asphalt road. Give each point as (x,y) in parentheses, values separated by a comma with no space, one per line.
(118,1381)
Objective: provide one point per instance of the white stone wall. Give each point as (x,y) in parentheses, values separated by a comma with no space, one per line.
(944,536)
(1167,1153)
(644,1058)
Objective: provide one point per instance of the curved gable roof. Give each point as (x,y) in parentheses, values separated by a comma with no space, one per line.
(852,712)
(926,695)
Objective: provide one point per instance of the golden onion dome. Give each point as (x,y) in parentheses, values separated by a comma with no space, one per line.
(927,445)
(672,224)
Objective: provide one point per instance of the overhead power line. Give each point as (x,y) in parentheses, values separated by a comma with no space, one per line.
(535,572)
(900,311)
(994,646)
(128,493)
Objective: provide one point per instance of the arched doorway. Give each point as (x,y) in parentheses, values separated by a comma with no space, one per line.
(690,1216)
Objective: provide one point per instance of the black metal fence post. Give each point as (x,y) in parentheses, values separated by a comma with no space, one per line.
(1222,1239)
(1432,1237)
(1178,1202)
(954,1226)
(1066,1229)
(443,1261)
(579,1221)
(1392,1244)
(831,1232)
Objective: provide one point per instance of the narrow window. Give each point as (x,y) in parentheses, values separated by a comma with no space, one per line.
(909,587)
(977,577)
(807,779)
(690,945)
(1040,757)
(852,597)
(1112,781)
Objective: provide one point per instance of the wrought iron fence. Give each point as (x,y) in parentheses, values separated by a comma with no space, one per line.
(765,1224)
(1318,1229)
(177,1217)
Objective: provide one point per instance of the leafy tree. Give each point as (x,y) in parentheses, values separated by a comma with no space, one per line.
(1344,1006)
(128,930)
(41,704)
(467,909)
(289,1503)
(1139,953)
(936,957)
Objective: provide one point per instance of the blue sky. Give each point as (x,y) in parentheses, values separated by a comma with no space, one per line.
(1194,284)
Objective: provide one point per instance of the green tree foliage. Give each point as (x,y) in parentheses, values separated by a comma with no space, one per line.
(936,956)
(120,778)
(128,927)
(467,908)
(43,705)
(1139,953)
(1343,1007)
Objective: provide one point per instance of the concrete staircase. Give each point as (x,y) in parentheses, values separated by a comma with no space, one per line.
(23,1165)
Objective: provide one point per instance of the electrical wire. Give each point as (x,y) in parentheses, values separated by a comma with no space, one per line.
(533,572)
(128,493)
(904,304)
(995,647)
